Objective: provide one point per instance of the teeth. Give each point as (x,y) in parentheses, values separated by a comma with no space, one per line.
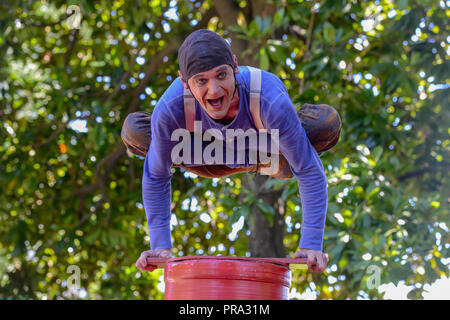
(215,102)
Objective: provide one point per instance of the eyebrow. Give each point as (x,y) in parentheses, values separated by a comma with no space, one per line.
(202,75)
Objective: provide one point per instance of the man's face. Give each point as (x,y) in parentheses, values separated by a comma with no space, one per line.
(214,90)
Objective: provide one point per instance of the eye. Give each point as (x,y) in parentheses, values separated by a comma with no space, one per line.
(201,81)
(222,75)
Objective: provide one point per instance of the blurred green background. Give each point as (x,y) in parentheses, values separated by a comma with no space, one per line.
(70,195)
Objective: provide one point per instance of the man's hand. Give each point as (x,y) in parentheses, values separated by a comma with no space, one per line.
(317,261)
(141,263)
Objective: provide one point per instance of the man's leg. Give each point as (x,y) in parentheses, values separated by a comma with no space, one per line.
(136,135)
(322,125)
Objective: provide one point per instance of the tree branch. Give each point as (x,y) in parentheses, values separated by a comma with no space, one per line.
(308,46)
(53,136)
(72,43)
(228,12)
(441,166)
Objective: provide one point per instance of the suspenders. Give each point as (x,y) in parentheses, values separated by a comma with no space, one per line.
(255,97)
(189,110)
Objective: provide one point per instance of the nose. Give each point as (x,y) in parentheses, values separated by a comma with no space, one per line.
(213,88)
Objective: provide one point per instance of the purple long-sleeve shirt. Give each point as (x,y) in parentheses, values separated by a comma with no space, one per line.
(277,112)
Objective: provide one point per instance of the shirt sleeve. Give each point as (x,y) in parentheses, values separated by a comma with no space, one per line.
(156,181)
(305,164)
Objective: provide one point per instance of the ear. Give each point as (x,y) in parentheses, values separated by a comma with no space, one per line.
(186,86)
(236,68)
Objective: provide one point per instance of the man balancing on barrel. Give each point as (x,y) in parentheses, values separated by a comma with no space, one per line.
(217,103)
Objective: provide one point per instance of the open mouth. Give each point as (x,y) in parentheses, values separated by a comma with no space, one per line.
(216,103)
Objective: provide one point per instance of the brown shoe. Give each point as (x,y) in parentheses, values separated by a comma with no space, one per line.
(136,133)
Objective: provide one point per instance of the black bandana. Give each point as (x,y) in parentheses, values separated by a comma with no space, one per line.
(201,51)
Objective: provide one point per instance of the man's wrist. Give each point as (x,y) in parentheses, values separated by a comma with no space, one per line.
(160,238)
(311,238)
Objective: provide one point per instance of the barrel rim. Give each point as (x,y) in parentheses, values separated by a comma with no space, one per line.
(246,259)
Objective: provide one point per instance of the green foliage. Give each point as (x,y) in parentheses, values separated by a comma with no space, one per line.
(70,197)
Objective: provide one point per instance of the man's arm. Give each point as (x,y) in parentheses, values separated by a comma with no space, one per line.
(156,181)
(305,165)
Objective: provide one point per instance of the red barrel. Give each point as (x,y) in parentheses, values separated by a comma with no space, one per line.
(226,278)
